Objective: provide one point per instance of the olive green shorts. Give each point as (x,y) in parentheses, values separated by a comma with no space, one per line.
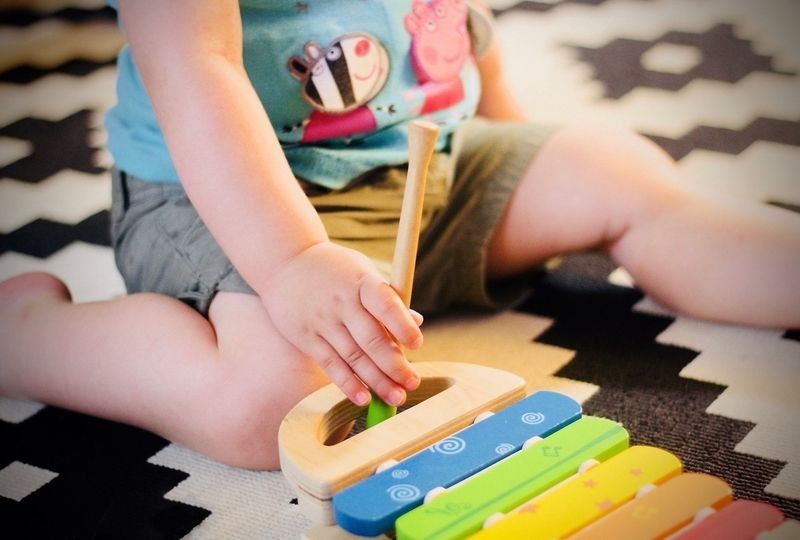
(161,244)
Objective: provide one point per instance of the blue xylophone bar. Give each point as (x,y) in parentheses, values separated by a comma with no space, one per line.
(371,506)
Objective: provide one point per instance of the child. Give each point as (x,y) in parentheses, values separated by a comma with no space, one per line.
(248,138)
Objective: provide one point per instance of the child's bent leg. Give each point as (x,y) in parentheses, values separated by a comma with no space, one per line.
(219,387)
(595,186)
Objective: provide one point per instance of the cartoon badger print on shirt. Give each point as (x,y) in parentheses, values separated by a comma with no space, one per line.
(339,80)
(343,76)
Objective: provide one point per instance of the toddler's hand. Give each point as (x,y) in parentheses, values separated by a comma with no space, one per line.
(332,304)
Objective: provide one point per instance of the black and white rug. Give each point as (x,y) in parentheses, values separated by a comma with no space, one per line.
(715,82)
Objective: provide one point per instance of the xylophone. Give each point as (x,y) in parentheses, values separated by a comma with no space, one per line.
(533,467)
(480,459)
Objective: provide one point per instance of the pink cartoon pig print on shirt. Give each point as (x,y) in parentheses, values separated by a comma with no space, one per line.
(338,81)
(440,42)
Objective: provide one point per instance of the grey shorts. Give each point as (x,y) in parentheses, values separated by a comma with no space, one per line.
(162,245)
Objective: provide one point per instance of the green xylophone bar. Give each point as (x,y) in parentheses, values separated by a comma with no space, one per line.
(514,481)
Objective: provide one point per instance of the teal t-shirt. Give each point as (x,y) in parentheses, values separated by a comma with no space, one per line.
(340,81)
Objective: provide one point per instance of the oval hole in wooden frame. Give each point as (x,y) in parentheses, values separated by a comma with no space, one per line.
(318,470)
(337,423)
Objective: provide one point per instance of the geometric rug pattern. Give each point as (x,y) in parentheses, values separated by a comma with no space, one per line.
(715,83)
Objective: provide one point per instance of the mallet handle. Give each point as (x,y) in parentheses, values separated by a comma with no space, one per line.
(421,142)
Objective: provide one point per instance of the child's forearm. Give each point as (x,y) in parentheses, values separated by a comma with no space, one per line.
(224,148)
(237,176)
(498,101)
(327,301)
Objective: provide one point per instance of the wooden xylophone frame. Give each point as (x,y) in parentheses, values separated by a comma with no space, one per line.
(319,461)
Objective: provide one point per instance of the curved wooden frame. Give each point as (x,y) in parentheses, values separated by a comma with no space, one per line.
(317,470)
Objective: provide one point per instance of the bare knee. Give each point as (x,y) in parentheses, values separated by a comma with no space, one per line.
(626,177)
(612,157)
(244,418)
(599,142)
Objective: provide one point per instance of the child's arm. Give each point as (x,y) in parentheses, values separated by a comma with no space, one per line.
(497,101)
(327,300)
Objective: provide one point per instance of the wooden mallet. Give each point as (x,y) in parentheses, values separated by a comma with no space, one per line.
(421,142)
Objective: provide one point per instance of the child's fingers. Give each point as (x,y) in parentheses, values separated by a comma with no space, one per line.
(385,305)
(375,342)
(364,365)
(337,370)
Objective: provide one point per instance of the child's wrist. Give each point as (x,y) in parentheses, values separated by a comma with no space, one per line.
(268,279)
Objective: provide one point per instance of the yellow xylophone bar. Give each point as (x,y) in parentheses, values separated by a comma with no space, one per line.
(585,498)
